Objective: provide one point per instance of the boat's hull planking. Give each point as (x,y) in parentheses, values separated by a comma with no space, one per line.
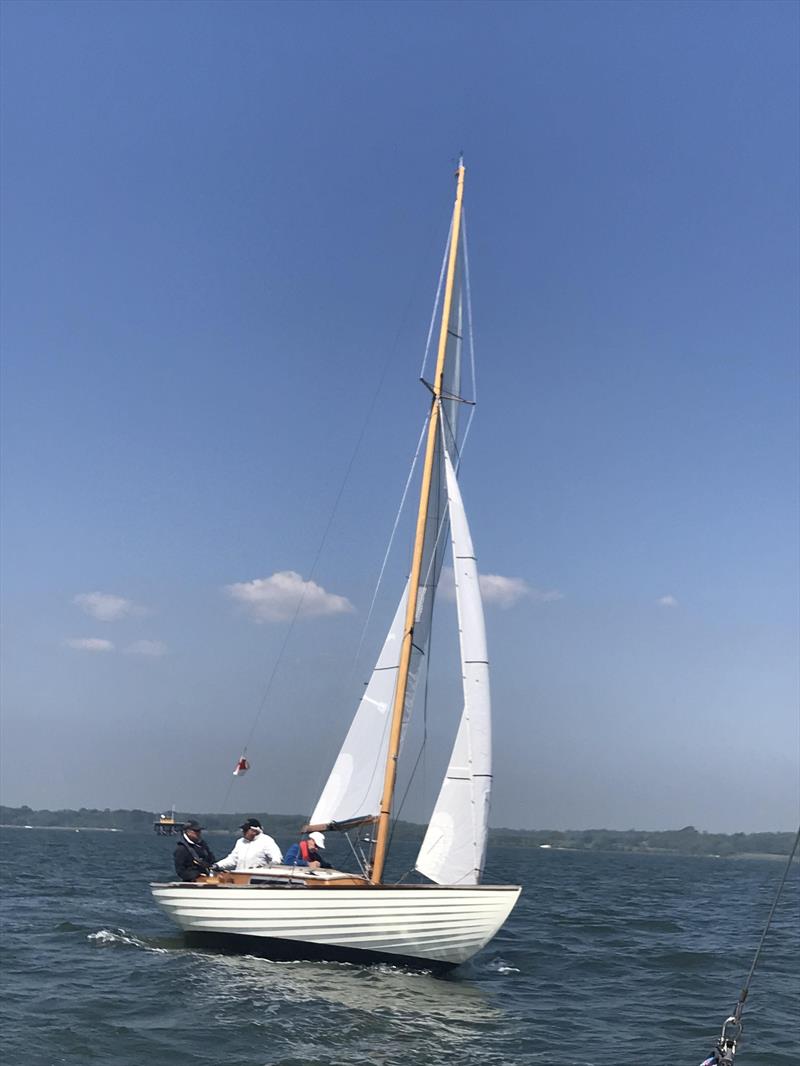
(428,925)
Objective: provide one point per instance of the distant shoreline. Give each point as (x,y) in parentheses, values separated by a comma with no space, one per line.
(94,828)
(745,855)
(66,828)
(687,841)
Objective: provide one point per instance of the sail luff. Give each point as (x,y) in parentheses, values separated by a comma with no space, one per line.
(382,838)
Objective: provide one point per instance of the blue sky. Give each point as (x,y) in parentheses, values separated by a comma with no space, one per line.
(222,228)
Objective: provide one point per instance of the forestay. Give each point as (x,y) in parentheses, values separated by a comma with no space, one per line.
(454,848)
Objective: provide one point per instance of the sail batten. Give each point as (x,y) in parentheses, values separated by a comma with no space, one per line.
(454,848)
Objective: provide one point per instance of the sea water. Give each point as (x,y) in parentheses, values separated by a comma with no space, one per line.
(607,959)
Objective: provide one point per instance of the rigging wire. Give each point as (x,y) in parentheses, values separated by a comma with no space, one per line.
(746,988)
(391,349)
(443,523)
(436,303)
(470,334)
(376,765)
(732,1026)
(389,547)
(443,520)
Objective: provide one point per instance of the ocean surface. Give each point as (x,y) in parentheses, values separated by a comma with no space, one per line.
(607,959)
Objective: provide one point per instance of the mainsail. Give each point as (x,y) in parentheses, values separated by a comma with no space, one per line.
(454,847)
(353,789)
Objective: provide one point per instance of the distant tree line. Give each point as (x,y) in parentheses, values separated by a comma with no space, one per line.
(686,841)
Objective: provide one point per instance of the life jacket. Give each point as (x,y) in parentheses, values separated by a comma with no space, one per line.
(305,851)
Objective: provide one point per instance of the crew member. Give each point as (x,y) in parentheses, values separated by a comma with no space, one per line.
(253,850)
(193,856)
(308,853)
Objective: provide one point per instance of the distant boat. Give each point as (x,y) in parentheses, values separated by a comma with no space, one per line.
(298,912)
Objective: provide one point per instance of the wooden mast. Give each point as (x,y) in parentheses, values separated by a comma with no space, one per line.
(382,840)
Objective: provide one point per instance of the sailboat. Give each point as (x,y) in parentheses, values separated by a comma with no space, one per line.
(302,913)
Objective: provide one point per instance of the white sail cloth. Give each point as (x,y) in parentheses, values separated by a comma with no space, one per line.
(454,849)
(355,784)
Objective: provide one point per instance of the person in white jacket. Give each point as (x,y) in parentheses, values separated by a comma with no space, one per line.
(252,851)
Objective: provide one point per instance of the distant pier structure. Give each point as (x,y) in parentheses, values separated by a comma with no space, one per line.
(165,825)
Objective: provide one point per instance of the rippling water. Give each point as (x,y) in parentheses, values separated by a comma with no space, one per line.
(606,960)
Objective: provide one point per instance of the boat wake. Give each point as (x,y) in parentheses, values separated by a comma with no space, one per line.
(120,938)
(498,965)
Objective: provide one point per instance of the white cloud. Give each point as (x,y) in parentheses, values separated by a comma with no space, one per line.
(667,601)
(89,644)
(500,591)
(153,648)
(107,607)
(276,598)
(506,591)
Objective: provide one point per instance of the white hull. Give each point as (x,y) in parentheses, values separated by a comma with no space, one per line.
(439,925)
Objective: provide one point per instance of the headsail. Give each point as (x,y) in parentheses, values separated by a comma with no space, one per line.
(454,848)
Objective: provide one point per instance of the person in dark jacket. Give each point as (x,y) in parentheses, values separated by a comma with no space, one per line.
(193,856)
(307,853)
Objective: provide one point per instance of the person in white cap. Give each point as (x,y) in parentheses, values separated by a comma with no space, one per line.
(308,853)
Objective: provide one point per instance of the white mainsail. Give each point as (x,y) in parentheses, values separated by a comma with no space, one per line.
(454,848)
(355,785)
(353,789)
